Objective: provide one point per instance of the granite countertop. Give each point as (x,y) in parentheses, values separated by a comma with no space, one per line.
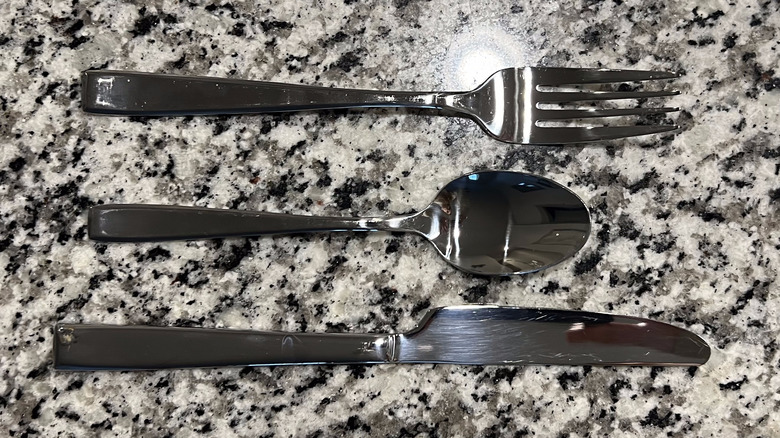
(685,225)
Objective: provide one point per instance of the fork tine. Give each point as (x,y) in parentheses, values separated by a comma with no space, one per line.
(585,134)
(560,114)
(572,76)
(577,96)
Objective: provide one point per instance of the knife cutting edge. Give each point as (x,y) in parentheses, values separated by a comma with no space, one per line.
(469,335)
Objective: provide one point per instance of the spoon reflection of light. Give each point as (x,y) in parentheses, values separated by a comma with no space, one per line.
(477,53)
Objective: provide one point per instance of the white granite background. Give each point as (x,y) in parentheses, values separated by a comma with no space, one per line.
(685,225)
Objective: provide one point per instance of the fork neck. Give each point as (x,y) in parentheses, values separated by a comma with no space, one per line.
(471,103)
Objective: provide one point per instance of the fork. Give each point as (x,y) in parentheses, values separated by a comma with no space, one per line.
(513,105)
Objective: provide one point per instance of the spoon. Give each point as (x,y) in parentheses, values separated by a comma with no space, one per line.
(485,223)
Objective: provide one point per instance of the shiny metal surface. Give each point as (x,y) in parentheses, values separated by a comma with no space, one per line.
(471,335)
(92,347)
(486,223)
(508,105)
(509,335)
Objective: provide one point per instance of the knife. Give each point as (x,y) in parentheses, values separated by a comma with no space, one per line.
(470,335)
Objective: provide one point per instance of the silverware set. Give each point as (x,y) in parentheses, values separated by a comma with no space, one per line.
(487,223)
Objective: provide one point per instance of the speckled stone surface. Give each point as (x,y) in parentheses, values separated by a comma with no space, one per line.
(686,226)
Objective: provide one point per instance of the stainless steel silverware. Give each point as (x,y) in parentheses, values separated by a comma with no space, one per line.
(471,335)
(487,223)
(509,105)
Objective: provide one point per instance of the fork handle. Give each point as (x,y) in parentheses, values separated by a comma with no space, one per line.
(148,94)
(155,223)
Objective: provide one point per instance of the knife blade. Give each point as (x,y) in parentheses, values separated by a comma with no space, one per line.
(470,335)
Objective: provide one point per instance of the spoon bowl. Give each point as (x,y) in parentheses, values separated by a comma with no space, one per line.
(503,223)
(485,223)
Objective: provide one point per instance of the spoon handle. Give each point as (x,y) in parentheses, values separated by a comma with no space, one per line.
(154,223)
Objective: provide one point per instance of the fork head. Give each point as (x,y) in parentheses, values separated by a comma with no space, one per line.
(512,104)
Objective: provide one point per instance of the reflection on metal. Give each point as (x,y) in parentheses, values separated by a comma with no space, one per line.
(506,222)
(528,104)
(482,335)
(105,86)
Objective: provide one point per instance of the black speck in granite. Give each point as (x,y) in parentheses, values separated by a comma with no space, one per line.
(338,37)
(238,30)
(344,195)
(270,25)
(420,307)
(587,263)
(568,379)
(178,65)
(774,194)
(349,60)
(145,23)
(295,148)
(661,420)
(17,164)
(236,254)
(32,45)
(475,294)
(393,246)
(592,35)
(733,385)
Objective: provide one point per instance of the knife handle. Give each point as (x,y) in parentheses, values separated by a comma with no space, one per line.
(84,347)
